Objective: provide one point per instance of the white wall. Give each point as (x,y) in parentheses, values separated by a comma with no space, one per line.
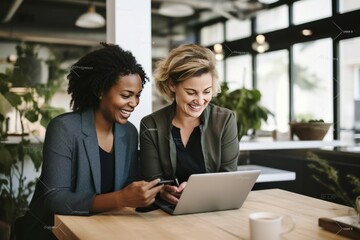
(129,26)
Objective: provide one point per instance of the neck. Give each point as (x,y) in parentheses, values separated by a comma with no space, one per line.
(104,132)
(103,126)
(182,121)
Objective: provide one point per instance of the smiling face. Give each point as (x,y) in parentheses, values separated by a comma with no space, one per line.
(193,95)
(117,104)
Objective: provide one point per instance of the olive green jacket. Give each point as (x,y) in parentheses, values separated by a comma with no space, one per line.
(219,142)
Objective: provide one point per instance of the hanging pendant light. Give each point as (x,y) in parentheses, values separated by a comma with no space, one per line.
(90,19)
(260,45)
(170,9)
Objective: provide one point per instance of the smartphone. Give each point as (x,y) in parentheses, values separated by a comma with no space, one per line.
(165,182)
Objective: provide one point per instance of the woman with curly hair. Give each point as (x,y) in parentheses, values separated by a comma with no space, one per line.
(90,155)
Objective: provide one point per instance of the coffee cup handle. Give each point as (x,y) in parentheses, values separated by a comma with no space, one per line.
(292,227)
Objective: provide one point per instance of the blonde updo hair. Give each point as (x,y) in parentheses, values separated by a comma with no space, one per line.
(182,63)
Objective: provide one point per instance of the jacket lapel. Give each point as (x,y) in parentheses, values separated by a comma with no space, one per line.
(172,147)
(120,149)
(91,146)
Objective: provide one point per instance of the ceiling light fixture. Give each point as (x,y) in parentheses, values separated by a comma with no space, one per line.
(90,19)
(219,52)
(306,32)
(260,45)
(175,10)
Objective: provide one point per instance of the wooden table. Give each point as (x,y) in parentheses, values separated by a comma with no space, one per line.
(231,224)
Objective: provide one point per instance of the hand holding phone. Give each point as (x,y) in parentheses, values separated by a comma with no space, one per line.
(165,182)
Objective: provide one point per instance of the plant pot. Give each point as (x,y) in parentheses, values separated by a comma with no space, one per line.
(30,72)
(309,131)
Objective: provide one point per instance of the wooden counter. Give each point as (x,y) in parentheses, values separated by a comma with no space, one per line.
(231,224)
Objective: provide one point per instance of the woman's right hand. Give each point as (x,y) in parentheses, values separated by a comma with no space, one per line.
(139,194)
(171,193)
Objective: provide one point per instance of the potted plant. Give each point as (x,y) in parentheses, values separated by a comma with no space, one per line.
(313,129)
(329,177)
(246,104)
(14,187)
(31,105)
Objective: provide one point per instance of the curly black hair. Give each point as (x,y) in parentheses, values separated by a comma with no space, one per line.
(96,72)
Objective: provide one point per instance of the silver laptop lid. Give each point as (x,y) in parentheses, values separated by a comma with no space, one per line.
(216,191)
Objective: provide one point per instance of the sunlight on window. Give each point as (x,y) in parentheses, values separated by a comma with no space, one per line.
(273,83)
(348,5)
(310,10)
(212,34)
(273,19)
(350,90)
(313,93)
(237,29)
(239,72)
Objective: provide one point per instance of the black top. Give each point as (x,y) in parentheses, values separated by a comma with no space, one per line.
(107,164)
(189,159)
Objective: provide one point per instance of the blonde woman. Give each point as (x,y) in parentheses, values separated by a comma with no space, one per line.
(191,135)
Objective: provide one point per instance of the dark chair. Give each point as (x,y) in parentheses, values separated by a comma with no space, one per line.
(4,230)
(28,227)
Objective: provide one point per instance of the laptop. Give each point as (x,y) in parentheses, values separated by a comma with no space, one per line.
(208,192)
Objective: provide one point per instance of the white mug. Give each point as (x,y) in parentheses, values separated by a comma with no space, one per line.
(268,226)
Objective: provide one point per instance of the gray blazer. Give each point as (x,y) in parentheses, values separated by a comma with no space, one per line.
(219,142)
(71,174)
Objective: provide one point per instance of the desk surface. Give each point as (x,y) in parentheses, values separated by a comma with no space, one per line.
(231,224)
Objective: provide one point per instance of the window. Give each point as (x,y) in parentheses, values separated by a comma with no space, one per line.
(310,10)
(220,69)
(212,34)
(239,72)
(349,89)
(357,84)
(348,5)
(313,81)
(6,49)
(273,19)
(237,29)
(273,83)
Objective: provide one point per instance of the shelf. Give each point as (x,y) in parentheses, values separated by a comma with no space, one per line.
(270,144)
(269,174)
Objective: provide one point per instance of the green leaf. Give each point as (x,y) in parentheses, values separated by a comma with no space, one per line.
(35,153)
(5,161)
(246,104)
(13,99)
(32,116)
(3,181)
(49,113)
